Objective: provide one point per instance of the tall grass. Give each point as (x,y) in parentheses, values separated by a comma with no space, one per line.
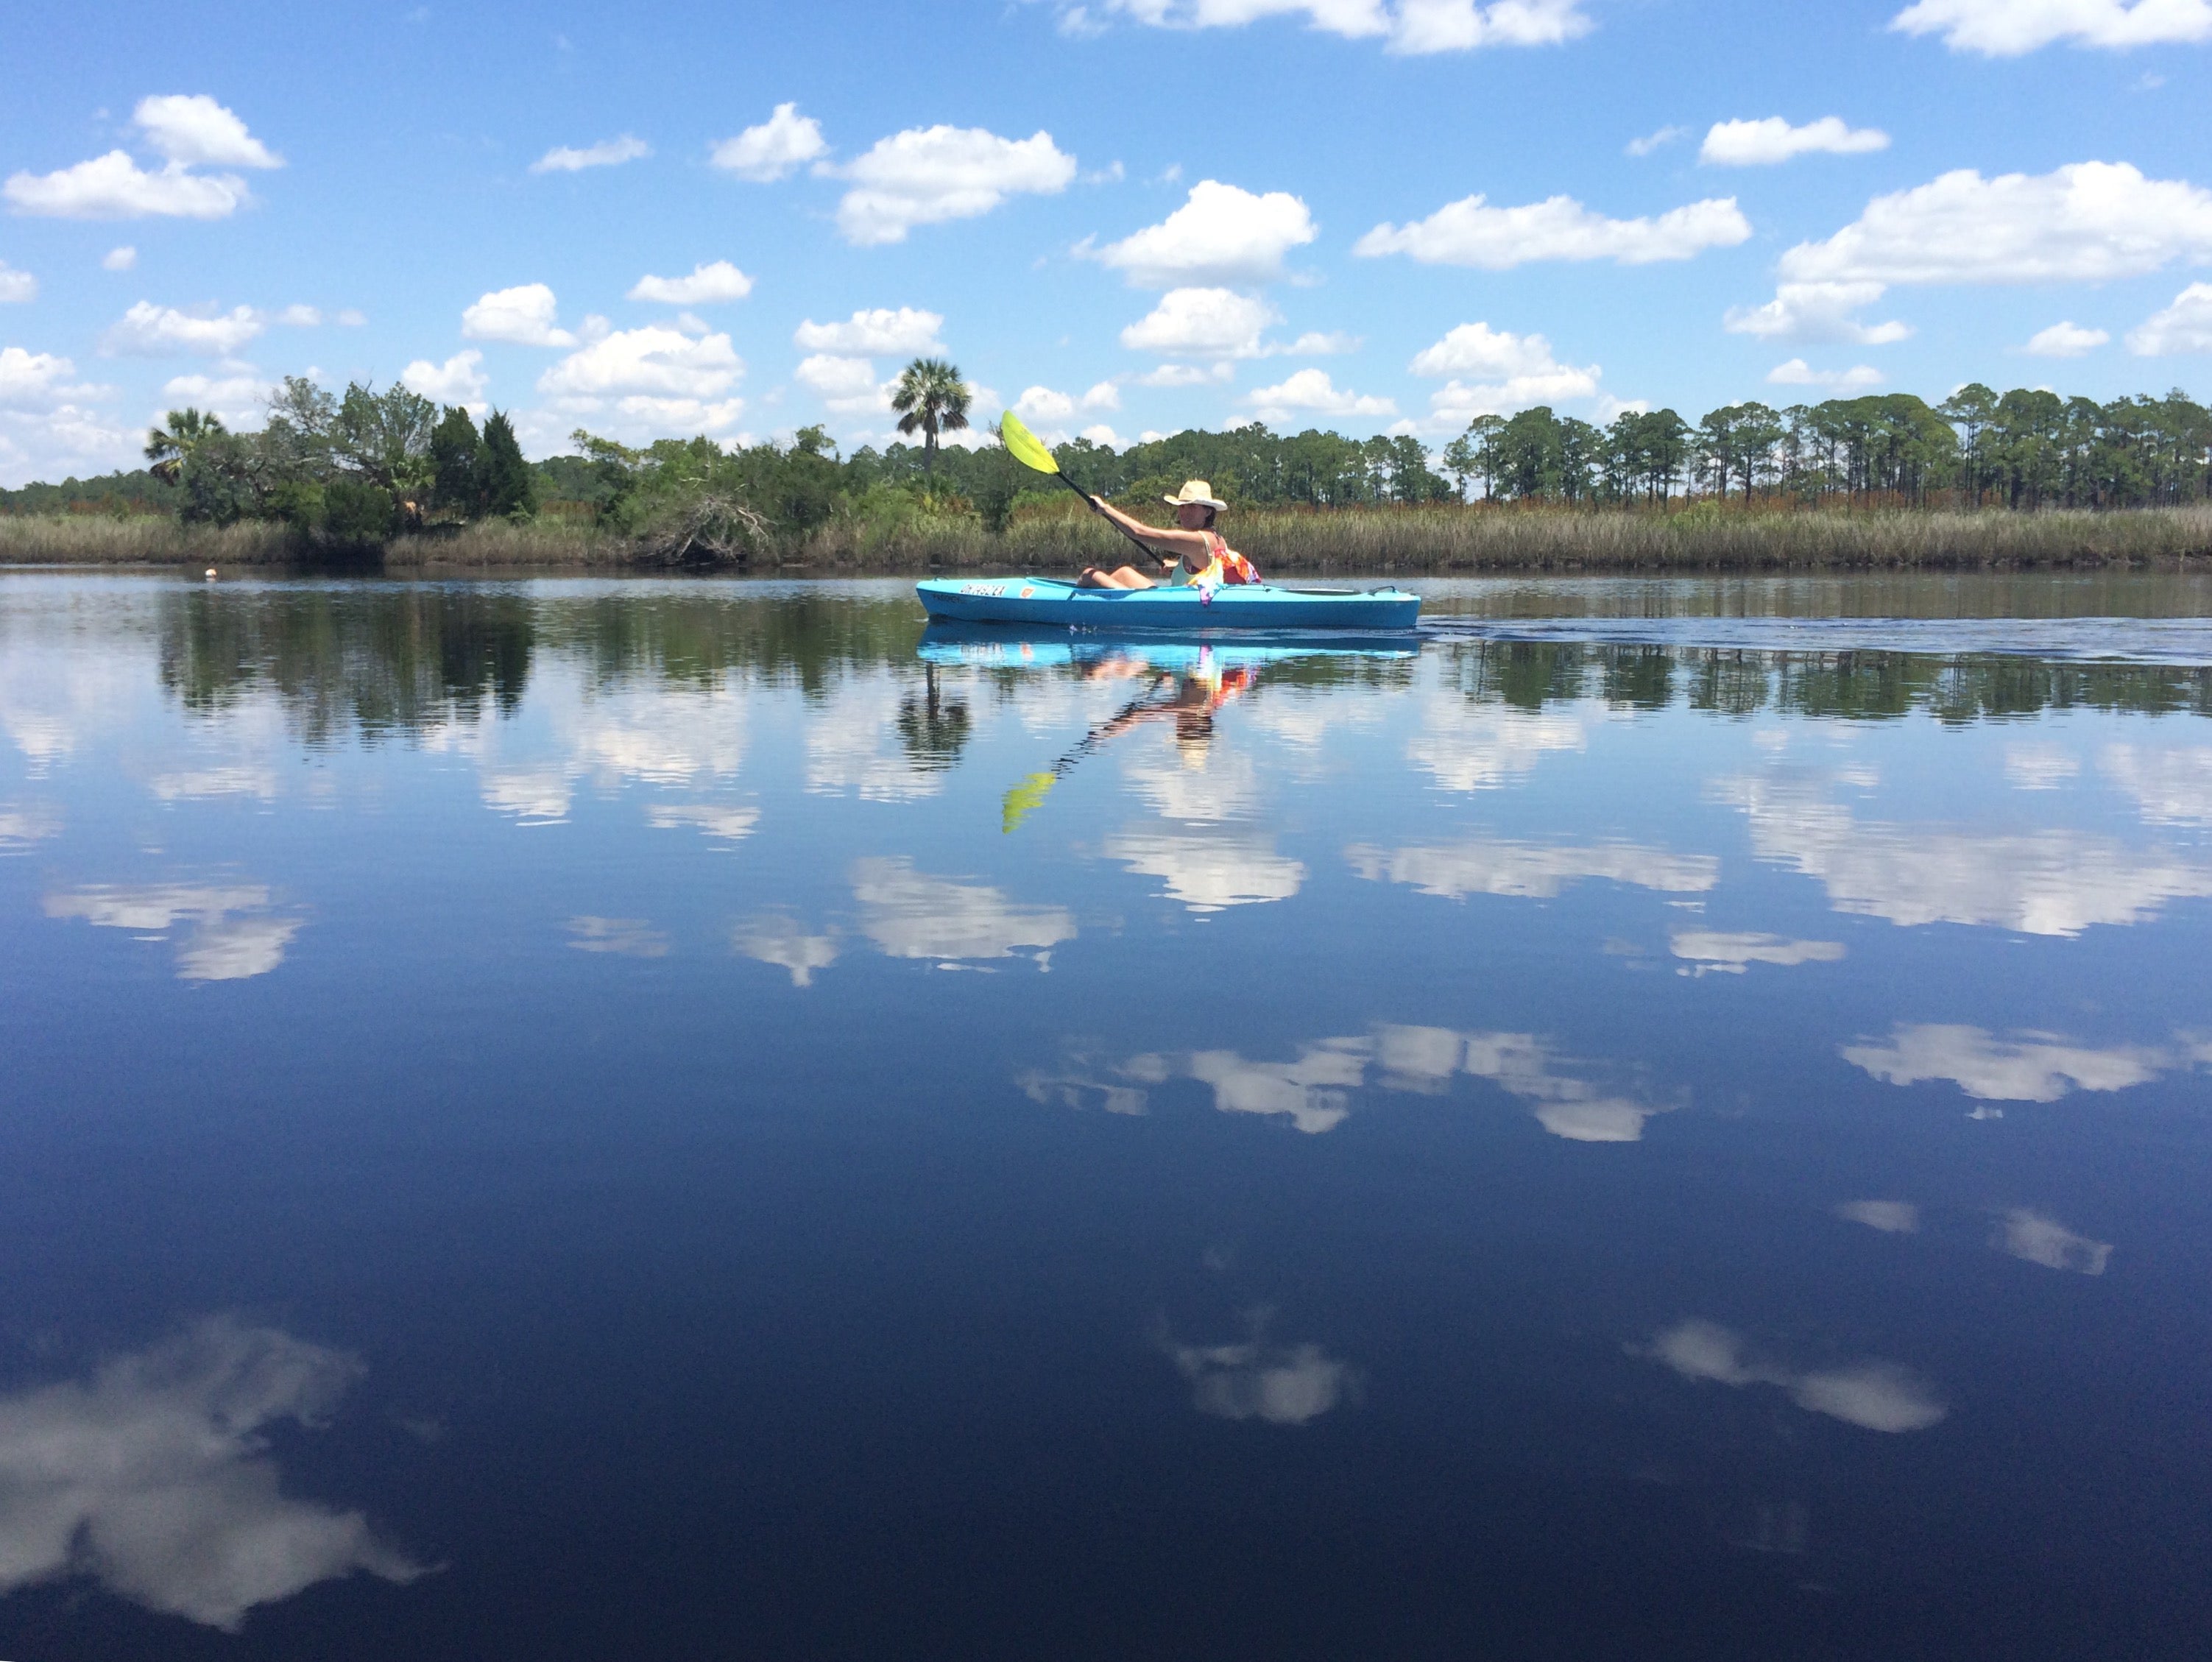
(1708,536)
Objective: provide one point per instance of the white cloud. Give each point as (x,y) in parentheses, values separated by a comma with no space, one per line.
(458,380)
(766,153)
(928,175)
(2031,1067)
(300,317)
(846,385)
(1466,747)
(113,186)
(351,318)
(2064,340)
(1711,951)
(1892,1217)
(1221,234)
(904,332)
(2038,882)
(1469,232)
(653,375)
(721,822)
(708,285)
(155,1477)
(910,914)
(17,288)
(1817,312)
(1409,26)
(1654,141)
(1042,404)
(148,330)
(1282,1385)
(775,939)
(2040,767)
(1876,1396)
(2169,786)
(1517,372)
(1531,870)
(1310,392)
(2007,28)
(607,152)
(1797,372)
(2088,222)
(1764,142)
(1203,323)
(1174,374)
(234,934)
(195,130)
(2044,1240)
(2183,326)
(523,315)
(119,259)
(240,400)
(1206,871)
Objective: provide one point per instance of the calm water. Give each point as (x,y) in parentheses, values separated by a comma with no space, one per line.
(587,1120)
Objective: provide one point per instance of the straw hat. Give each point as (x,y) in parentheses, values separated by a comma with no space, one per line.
(1198,492)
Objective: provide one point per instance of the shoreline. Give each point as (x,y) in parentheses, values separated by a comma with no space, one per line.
(1706,537)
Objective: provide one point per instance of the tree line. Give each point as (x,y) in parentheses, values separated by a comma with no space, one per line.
(359,466)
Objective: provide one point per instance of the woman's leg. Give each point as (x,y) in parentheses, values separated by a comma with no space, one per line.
(1127,577)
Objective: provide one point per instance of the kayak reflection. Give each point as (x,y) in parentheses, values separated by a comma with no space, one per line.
(1182,682)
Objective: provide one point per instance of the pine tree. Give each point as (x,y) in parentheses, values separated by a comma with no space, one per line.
(454,446)
(507,484)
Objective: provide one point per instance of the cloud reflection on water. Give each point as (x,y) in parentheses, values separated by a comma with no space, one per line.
(1712,952)
(1532,871)
(1872,1394)
(234,934)
(155,1479)
(2044,1240)
(910,914)
(2028,1067)
(1254,1379)
(1208,870)
(773,938)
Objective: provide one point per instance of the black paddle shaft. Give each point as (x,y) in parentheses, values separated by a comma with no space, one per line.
(1110,520)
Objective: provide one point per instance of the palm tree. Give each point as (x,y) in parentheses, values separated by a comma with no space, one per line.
(932,396)
(168,448)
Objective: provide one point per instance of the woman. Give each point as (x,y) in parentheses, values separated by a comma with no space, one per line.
(1206,559)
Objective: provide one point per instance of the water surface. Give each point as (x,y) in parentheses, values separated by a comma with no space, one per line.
(576,1118)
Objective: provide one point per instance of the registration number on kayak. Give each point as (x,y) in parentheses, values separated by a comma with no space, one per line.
(992,589)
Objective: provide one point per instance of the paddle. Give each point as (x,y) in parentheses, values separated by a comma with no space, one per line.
(1025,447)
(1024,798)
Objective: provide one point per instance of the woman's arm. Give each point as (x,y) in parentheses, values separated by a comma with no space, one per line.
(1171,537)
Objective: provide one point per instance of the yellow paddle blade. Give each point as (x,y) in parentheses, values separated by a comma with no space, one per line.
(1025,796)
(1024,446)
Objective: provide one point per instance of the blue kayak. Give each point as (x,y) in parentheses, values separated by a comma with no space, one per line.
(1061,604)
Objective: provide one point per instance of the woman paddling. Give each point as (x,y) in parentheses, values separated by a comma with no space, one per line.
(1206,559)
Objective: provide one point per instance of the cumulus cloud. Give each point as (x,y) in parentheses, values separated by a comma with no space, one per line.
(2066,339)
(1654,141)
(2044,1240)
(1203,323)
(709,284)
(2088,222)
(2183,326)
(1221,234)
(1310,392)
(1795,372)
(846,385)
(523,315)
(1817,312)
(910,914)
(147,331)
(16,287)
(119,259)
(458,380)
(1211,868)
(2007,28)
(1042,405)
(195,130)
(2028,1067)
(1414,28)
(652,374)
(1873,1395)
(1469,232)
(2170,785)
(786,141)
(234,934)
(775,938)
(1764,142)
(607,152)
(904,332)
(928,175)
(1511,372)
(237,399)
(1280,1384)
(186,131)
(155,1477)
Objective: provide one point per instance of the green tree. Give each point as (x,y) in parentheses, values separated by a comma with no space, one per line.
(506,485)
(930,398)
(454,444)
(170,445)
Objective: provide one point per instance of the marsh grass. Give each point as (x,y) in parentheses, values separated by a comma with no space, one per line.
(1413,542)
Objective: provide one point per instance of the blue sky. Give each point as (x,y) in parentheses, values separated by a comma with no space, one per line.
(1122,217)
